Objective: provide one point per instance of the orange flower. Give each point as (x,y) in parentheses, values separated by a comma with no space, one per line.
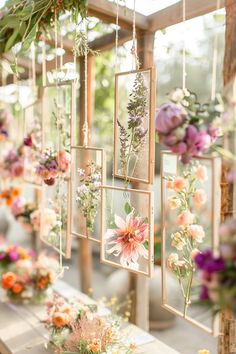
(179,184)
(16,192)
(95,346)
(9,201)
(17,288)
(170,184)
(60,319)
(8,280)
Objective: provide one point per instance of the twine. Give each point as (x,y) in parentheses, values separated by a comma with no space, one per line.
(215,59)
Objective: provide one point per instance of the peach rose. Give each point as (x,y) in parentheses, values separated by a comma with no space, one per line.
(8,280)
(199,198)
(63,160)
(185,218)
(60,319)
(196,232)
(201,173)
(179,184)
(17,288)
(95,346)
(170,184)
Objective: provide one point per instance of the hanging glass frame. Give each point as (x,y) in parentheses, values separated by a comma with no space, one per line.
(128,229)
(134,133)
(32,135)
(191,201)
(55,211)
(88,173)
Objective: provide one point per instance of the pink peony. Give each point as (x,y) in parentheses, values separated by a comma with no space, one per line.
(201,173)
(169,116)
(199,198)
(18,206)
(185,218)
(63,160)
(196,232)
(128,239)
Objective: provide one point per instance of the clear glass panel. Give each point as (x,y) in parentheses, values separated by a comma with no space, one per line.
(133,114)
(127,239)
(88,174)
(188,222)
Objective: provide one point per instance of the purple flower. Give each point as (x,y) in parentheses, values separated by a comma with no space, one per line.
(170,116)
(13,256)
(214,132)
(2,256)
(208,263)
(28,141)
(204,295)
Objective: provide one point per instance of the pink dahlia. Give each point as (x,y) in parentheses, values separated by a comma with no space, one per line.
(128,239)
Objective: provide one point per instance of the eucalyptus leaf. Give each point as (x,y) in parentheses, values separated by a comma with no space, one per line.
(128,208)
(11,40)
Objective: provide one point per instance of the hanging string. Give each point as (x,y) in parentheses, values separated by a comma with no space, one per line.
(184,74)
(44,70)
(61,56)
(85,126)
(33,58)
(135,64)
(215,59)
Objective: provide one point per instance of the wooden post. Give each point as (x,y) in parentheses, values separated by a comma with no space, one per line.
(139,285)
(84,246)
(227,341)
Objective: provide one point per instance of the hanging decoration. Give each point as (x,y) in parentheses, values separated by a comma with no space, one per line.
(87,176)
(191,200)
(127,229)
(134,128)
(32,141)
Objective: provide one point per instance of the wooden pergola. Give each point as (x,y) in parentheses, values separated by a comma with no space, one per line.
(146,26)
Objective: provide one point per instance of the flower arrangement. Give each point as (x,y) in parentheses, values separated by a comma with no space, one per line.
(88,194)
(33,17)
(186,127)
(5,118)
(25,214)
(10,194)
(12,254)
(187,199)
(52,164)
(29,281)
(217,272)
(133,138)
(128,238)
(13,163)
(78,328)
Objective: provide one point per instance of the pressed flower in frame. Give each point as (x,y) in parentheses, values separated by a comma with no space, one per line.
(128,239)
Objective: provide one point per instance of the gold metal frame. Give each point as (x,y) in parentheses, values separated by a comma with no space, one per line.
(149,273)
(215,220)
(151,126)
(103,175)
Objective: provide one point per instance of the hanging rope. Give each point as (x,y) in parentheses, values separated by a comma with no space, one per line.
(33,59)
(184,74)
(215,59)
(85,126)
(136,63)
(61,56)
(44,70)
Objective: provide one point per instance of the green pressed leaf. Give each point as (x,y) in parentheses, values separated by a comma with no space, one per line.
(128,208)
(29,39)
(11,40)
(14,68)
(11,21)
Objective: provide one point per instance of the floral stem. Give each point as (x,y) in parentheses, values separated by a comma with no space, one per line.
(129,155)
(188,293)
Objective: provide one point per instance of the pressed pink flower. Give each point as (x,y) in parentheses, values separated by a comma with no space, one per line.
(179,184)
(170,184)
(63,160)
(199,198)
(185,218)
(196,232)
(201,173)
(128,239)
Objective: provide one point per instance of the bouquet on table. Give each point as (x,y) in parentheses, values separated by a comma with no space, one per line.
(187,127)
(218,273)
(30,281)
(78,328)
(26,214)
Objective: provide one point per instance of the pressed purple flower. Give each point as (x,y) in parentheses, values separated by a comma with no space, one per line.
(169,116)
(204,295)
(208,263)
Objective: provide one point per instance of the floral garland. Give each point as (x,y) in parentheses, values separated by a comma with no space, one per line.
(78,328)
(23,21)
(186,127)
(190,234)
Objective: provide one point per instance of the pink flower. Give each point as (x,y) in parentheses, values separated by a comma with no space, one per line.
(196,232)
(63,160)
(17,169)
(35,219)
(18,206)
(185,218)
(179,184)
(169,116)
(199,198)
(194,253)
(201,173)
(128,239)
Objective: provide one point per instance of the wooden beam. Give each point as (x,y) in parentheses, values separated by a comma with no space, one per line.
(173,14)
(107,41)
(106,11)
(24,62)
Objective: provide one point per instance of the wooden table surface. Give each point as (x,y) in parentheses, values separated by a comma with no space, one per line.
(22,332)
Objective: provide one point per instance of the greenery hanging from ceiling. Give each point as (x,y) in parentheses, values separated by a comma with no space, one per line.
(23,21)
